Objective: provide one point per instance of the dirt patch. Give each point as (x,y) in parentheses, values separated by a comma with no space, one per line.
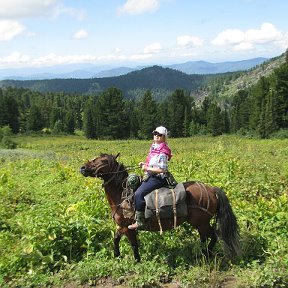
(229,282)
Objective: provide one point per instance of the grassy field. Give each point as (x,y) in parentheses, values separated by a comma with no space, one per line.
(56,229)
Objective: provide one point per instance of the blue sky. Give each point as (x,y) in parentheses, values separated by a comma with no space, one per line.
(134,32)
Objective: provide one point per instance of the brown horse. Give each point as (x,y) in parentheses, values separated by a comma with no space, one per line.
(203,203)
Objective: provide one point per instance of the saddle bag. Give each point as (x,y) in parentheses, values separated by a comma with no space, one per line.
(166,203)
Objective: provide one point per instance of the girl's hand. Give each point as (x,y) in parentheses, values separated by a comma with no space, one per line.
(141,164)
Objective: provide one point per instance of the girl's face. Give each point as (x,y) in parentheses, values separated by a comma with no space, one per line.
(158,138)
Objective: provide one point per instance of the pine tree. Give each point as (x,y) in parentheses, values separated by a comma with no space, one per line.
(203,115)
(270,123)
(110,115)
(35,119)
(215,122)
(239,111)
(69,122)
(9,112)
(89,124)
(56,115)
(147,115)
(2,109)
(257,105)
(226,121)
(131,118)
(281,95)
(177,104)
(186,123)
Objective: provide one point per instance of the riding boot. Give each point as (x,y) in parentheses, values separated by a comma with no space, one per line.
(140,221)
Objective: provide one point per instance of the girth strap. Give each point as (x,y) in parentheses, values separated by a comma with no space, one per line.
(174,207)
(157,212)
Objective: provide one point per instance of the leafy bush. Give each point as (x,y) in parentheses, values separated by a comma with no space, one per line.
(5,139)
(281,134)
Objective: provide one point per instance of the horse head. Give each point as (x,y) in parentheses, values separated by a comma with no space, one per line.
(99,166)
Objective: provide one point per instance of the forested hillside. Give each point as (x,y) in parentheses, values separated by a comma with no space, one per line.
(257,109)
(224,87)
(132,84)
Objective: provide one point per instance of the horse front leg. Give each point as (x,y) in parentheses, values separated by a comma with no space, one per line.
(132,236)
(117,238)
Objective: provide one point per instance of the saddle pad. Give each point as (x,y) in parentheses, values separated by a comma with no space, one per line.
(165,202)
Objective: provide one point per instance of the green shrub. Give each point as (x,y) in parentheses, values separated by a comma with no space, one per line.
(7,143)
(281,134)
(5,139)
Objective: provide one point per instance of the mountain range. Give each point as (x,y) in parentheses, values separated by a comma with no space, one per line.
(160,80)
(84,71)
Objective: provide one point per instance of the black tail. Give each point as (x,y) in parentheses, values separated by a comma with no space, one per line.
(228,227)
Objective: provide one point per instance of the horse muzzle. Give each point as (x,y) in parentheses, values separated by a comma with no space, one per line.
(83,171)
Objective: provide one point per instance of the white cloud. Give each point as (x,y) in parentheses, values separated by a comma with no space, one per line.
(60,9)
(283,42)
(27,8)
(140,57)
(10,29)
(246,40)
(111,57)
(53,59)
(80,34)
(267,33)
(136,7)
(117,50)
(34,8)
(15,58)
(153,48)
(244,46)
(229,36)
(186,41)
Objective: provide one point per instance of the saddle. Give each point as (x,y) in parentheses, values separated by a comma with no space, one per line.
(166,202)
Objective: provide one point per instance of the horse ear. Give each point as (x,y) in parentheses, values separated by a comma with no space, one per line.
(117,156)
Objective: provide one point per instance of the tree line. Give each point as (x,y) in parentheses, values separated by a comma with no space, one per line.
(150,78)
(261,109)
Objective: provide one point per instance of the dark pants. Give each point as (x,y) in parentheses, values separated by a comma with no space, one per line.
(145,188)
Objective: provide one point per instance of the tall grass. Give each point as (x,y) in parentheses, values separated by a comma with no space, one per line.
(56,228)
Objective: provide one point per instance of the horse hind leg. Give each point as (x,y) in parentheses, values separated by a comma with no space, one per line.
(206,233)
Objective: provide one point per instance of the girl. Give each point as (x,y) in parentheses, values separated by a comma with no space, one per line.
(155,168)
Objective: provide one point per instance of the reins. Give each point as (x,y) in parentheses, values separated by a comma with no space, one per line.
(114,173)
(117,172)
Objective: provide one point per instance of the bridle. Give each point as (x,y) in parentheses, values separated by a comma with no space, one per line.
(113,173)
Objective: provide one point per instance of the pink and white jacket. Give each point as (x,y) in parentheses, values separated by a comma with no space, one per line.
(158,156)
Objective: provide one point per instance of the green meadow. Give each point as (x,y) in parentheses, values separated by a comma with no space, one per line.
(56,229)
